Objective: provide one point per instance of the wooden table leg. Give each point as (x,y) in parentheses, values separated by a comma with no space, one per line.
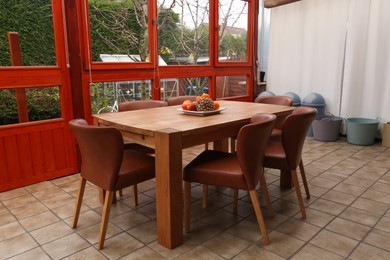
(169,182)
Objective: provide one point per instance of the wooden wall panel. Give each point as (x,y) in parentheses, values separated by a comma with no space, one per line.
(3,163)
(37,154)
(59,148)
(48,148)
(23,143)
(12,158)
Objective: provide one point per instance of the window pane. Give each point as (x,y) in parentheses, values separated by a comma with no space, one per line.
(231,86)
(233,27)
(183,32)
(32,20)
(42,103)
(106,96)
(119,28)
(183,86)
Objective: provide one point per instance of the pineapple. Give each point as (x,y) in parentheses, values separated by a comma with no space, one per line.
(205,104)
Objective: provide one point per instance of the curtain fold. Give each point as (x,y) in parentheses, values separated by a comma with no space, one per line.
(306,49)
(338,48)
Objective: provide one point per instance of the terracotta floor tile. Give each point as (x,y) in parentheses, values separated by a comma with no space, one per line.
(255,252)
(129,220)
(39,220)
(11,230)
(350,189)
(339,197)
(29,210)
(88,253)
(377,196)
(65,246)
(199,252)
(218,245)
(143,253)
(146,232)
(19,201)
(11,194)
(298,229)
(360,216)
(36,253)
(348,228)
(281,244)
(365,251)
(91,233)
(313,252)
(49,193)
(333,242)
(16,245)
(371,206)
(6,217)
(51,232)
(317,218)
(328,206)
(384,224)
(378,238)
(120,245)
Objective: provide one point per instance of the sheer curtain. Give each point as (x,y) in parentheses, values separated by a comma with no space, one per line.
(366,88)
(338,48)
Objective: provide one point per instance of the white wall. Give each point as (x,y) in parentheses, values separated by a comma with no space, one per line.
(338,48)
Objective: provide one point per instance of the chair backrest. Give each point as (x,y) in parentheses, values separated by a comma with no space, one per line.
(173,101)
(294,133)
(101,150)
(252,140)
(141,104)
(275,100)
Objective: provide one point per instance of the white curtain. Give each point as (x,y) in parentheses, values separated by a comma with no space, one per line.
(337,48)
(366,88)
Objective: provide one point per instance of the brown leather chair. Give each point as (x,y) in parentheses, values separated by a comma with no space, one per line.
(285,153)
(108,165)
(173,101)
(241,170)
(275,100)
(136,105)
(141,104)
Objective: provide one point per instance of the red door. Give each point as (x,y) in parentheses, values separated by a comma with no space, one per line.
(35,141)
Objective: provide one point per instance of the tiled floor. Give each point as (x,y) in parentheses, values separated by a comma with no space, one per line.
(348,216)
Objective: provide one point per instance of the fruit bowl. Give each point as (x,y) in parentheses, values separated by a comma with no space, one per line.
(201,113)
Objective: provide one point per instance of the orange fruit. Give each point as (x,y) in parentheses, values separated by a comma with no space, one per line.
(216,105)
(205,95)
(197,98)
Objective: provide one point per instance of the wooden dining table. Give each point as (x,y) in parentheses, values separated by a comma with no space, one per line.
(169,130)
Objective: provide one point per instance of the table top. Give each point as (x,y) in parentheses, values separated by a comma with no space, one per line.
(148,121)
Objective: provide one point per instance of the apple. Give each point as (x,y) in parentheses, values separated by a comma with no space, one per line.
(193,106)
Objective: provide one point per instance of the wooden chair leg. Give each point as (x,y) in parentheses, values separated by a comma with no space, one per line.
(294,178)
(205,192)
(187,205)
(303,174)
(235,199)
(259,216)
(105,217)
(79,200)
(264,189)
(121,193)
(135,195)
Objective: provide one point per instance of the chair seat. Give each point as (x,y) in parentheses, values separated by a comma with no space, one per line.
(136,167)
(216,168)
